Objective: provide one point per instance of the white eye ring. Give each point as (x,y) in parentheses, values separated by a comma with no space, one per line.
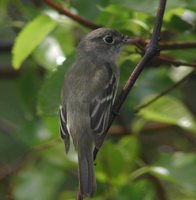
(108,39)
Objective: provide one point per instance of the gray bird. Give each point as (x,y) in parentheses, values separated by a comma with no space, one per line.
(87,98)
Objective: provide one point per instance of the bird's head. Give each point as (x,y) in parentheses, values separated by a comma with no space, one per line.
(103,44)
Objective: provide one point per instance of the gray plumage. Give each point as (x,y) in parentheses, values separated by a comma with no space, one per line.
(87,98)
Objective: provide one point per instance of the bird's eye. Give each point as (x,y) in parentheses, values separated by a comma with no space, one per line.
(108,39)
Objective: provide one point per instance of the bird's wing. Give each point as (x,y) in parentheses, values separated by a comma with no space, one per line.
(101,105)
(63,127)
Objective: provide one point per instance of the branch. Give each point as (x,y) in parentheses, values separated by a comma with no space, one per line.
(177,45)
(75,17)
(151,51)
(177,63)
(141,44)
(168,60)
(174,86)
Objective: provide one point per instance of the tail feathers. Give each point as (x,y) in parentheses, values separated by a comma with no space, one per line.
(86,173)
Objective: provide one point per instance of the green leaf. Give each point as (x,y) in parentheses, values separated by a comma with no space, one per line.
(169,110)
(180,168)
(129,147)
(27,90)
(49,95)
(30,37)
(111,163)
(177,23)
(116,159)
(138,190)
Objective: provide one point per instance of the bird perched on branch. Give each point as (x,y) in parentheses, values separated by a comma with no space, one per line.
(88,95)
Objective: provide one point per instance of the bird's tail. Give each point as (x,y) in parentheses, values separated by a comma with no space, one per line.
(86,171)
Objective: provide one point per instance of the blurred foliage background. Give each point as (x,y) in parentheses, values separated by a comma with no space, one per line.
(149,154)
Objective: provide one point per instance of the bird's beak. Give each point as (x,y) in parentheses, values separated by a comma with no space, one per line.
(127,40)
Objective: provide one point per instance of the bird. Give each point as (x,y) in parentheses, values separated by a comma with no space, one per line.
(88,94)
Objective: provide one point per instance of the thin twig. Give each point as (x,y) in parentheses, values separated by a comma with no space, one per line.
(75,17)
(174,86)
(151,51)
(177,63)
(141,44)
(177,45)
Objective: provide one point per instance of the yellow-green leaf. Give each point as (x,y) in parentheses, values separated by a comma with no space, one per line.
(172,111)
(30,37)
